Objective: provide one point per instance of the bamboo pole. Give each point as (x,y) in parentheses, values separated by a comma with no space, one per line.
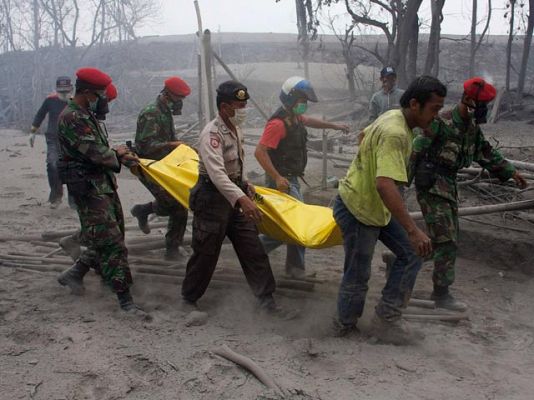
(487,209)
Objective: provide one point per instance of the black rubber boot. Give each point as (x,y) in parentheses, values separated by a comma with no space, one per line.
(444,299)
(73,277)
(141,212)
(127,304)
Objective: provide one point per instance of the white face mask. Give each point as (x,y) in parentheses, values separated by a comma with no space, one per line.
(240,116)
(63,95)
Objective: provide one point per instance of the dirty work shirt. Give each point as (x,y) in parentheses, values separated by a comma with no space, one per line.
(384,152)
(221,157)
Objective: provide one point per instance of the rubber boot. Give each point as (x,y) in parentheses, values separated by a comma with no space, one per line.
(444,299)
(73,278)
(127,305)
(141,212)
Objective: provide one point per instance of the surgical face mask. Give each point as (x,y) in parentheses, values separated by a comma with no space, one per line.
(300,108)
(63,95)
(240,116)
(176,106)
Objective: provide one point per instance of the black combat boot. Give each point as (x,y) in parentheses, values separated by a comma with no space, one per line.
(127,304)
(141,212)
(444,299)
(73,277)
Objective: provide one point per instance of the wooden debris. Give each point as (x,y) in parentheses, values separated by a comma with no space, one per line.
(246,363)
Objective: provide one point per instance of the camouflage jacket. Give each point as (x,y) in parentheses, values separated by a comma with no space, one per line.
(451,144)
(85,146)
(155,128)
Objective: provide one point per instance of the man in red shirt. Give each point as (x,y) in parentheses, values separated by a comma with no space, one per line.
(283,155)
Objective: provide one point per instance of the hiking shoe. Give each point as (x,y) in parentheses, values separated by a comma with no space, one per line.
(141,212)
(269,306)
(188,306)
(339,329)
(448,302)
(55,204)
(299,273)
(71,246)
(176,254)
(394,332)
(73,278)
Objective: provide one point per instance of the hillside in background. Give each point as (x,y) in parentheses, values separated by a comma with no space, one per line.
(261,61)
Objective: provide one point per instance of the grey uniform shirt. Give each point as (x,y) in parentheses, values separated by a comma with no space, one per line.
(382,102)
(221,157)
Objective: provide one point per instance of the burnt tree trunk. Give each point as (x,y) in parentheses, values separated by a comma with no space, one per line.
(527,41)
(509,45)
(432,56)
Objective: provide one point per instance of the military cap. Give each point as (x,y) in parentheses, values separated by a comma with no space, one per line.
(479,90)
(92,78)
(386,71)
(232,90)
(111,92)
(63,84)
(177,86)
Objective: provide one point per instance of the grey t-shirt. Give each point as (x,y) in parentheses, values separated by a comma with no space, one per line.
(382,102)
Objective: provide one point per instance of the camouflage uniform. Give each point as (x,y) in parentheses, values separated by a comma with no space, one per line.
(87,165)
(451,144)
(155,129)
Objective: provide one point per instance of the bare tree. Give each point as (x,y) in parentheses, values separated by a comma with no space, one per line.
(475,43)
(346,39)
(527,41)
(511,33)
(398,21)
(432,55)
(307,30)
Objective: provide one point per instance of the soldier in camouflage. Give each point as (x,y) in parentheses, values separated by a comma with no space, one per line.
(155,138)
(453,142)
(87,165)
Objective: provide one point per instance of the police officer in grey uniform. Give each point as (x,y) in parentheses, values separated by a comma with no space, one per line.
(222,205)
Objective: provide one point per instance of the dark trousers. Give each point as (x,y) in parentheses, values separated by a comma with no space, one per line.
(359,241)
(52,157)
(214,219)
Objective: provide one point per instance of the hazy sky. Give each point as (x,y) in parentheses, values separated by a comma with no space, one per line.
(178,16)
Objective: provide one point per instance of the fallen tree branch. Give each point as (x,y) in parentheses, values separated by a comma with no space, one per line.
(246,363)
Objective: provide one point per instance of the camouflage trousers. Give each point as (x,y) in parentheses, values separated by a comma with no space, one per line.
(167,206)
(102,231)
(441,218)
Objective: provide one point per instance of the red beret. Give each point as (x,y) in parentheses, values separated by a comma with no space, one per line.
(92,78)
(479,90)
(111,92)
(177,86)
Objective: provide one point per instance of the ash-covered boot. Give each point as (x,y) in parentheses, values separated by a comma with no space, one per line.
(444,299)
(141,212)
(73,277)
(127,304)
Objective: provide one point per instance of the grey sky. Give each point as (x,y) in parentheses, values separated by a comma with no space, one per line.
(178,16)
